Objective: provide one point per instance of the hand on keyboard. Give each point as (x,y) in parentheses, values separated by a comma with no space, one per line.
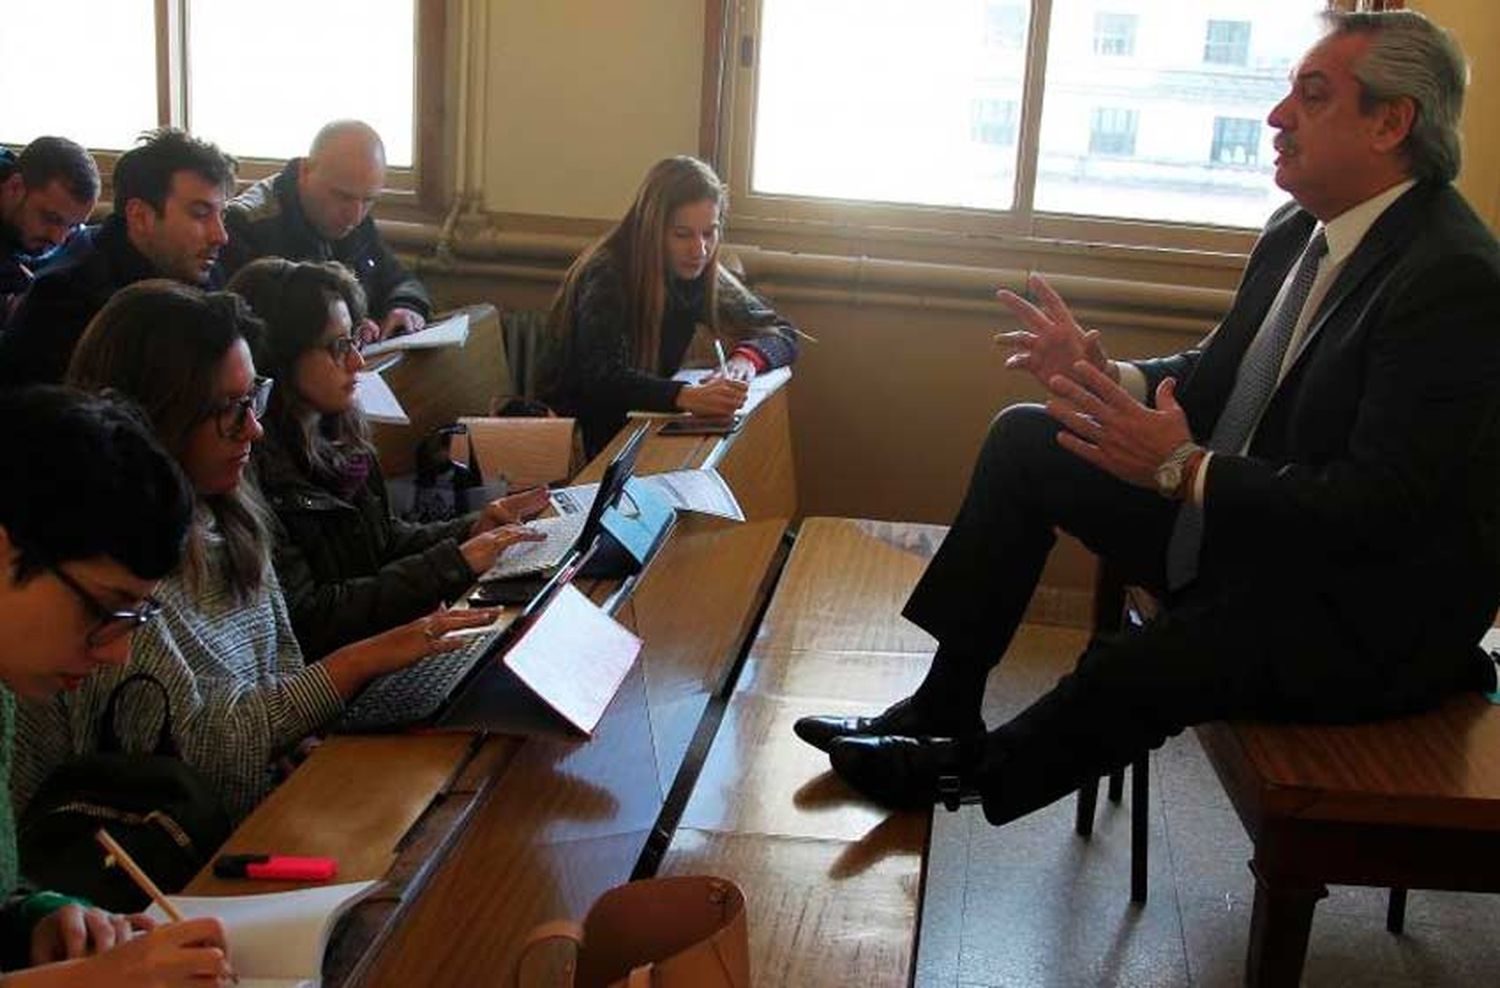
(511,509)
(481,551)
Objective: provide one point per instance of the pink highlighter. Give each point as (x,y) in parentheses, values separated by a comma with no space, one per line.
(275,867)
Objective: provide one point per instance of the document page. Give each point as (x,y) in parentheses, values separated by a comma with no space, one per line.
(453,331)
(378,400)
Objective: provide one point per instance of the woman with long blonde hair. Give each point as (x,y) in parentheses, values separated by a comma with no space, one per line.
(630,303)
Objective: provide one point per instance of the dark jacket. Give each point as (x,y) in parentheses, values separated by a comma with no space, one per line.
(266,220)
(348,569)
(591,375)
(97,262)
(1371,480)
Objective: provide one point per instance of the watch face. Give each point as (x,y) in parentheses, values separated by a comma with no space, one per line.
(1168,476)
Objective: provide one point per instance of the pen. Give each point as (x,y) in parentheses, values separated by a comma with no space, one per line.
(723,365)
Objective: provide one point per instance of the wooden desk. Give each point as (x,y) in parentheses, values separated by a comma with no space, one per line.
(1412,802)
(497,834)
(438,386)
(831,881)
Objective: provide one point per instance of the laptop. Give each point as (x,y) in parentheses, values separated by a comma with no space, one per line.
(565,533)
(423,691)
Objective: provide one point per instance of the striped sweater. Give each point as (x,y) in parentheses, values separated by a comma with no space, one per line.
(241,696)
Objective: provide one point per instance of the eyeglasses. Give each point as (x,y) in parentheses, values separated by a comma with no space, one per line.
(110,625)
(340,347)
(233,415)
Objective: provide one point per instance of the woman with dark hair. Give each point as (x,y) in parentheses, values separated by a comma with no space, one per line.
(71,597)
(348,568)
(630,303)
(223,647)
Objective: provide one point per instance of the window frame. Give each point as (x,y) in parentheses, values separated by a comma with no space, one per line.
(1238,48)
(941,234)
(421,189)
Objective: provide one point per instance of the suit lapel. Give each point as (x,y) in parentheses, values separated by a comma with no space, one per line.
(1388,232)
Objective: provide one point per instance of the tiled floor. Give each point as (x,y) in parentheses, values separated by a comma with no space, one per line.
(1031,904)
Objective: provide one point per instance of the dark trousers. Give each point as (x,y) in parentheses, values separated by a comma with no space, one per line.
(1235,650)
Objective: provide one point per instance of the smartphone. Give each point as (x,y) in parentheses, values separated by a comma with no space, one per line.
(697,425)
(515,591)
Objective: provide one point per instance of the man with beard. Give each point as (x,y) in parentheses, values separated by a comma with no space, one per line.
(46,192)
(168,222)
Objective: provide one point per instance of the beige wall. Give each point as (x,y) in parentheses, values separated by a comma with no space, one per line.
(1477,26)
(582,96)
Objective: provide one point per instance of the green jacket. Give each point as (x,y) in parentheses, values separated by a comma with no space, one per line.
(348,568)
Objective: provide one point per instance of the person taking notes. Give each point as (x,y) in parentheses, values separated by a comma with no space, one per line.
(71,598)
(630,303)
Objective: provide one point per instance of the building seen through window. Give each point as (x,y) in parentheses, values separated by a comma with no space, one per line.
(1148,110)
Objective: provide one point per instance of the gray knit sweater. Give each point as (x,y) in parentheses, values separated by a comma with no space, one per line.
(240,693)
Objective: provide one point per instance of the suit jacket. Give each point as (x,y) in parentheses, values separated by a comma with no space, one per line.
(266,220)
(1373,480)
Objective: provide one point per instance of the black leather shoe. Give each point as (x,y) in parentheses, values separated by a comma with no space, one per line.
(901,718)
(906,773)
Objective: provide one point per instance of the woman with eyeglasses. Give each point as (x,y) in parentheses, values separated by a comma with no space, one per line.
(348,568)
(222,646)
(630,304)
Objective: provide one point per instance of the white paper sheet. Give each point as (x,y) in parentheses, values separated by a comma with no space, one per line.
(762,386)
(453,331)
(701,491)
(378,400)
(279,938)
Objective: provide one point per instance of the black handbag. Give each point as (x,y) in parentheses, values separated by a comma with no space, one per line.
(161,810)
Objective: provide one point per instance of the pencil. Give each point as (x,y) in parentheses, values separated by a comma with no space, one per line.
(141,879)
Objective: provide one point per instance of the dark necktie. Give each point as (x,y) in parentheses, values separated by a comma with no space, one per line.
(1253,386)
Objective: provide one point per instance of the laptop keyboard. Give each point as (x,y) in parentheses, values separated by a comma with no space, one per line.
(415,693)
(525,558)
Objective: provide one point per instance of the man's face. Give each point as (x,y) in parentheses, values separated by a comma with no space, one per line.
(184,241)
(38,220)
(337,191)
(48,623)
(1328,150)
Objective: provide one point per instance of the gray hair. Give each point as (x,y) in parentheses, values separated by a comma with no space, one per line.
(1411,56)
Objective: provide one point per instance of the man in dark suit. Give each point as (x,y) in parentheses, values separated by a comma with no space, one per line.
(167,223)
(1315,491)
(317,208)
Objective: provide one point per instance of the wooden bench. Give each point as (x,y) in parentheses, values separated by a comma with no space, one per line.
(1402,803)
(833,884)
(1412,802)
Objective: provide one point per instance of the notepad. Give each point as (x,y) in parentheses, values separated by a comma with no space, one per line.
(276,940)
(453,331)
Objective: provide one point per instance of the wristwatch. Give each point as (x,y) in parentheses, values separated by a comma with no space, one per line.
(1168,476)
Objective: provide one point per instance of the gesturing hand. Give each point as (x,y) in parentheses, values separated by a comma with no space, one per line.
(1107,427)
(1052,341)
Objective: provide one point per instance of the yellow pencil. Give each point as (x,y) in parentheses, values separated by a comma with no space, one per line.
(141,879)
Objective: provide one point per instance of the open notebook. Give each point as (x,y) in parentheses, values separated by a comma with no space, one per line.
(276,940)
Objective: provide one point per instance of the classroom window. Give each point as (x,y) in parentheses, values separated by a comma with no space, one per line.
(994,122)
(1114,34)
(257,81)
(1005,25)
(1112,131)
(966,116)
(1236,141)
(1227,43)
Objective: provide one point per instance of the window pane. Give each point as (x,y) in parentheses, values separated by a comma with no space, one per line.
(1126,136)
(95,84)
(263,78)
(910,106)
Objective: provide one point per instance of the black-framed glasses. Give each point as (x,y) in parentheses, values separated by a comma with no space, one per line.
(111,624)
(340,347)
(233,415)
